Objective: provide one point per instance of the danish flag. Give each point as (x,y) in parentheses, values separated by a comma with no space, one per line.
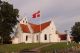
(36,14)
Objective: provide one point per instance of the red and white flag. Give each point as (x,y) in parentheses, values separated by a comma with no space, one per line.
(36,14)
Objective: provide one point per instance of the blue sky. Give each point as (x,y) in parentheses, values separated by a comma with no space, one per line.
(63,12)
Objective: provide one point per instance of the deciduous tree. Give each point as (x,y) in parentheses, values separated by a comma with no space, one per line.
(8,19)
(75,31)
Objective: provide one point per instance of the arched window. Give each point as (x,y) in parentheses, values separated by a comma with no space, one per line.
(26,21)
(45,36)
(26,38)
(23,21)
(37,37)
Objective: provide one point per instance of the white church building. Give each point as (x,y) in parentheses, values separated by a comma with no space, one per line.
(35,33)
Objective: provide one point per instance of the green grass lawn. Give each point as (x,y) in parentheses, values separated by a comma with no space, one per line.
(57,46)
(17,47)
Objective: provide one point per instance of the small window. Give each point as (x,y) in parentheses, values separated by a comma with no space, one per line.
(26,38)
(45,37)
(56,32)
(23,21)
(37,37)
(26,21)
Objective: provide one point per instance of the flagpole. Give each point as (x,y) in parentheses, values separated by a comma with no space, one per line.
(35,15)
(40,30)
(40,26)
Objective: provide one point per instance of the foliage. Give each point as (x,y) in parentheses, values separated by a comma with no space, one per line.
(8,19)
(76,31)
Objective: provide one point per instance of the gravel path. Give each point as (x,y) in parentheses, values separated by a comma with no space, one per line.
(37,49)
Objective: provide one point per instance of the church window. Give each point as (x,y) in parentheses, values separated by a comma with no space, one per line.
(37,37)
(26,21)
(56,32)
(23,21)
(26,38)
(45,37)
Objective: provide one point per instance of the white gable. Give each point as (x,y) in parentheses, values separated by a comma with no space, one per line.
(50,32)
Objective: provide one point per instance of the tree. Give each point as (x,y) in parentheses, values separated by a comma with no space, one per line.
(75,31)
(8,19)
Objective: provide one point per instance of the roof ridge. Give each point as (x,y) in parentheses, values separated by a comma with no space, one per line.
(35,27)
(39,24)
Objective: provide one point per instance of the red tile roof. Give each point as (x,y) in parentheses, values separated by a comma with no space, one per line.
(24,28)
(63,36)
(35,27)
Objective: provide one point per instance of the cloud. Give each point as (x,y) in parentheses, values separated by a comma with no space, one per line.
(48,7)
(65,10)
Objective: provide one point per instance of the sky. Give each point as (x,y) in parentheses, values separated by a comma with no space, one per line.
(64,13)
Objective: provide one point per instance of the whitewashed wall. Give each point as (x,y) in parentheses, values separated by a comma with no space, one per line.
(50,31)
(15,40)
